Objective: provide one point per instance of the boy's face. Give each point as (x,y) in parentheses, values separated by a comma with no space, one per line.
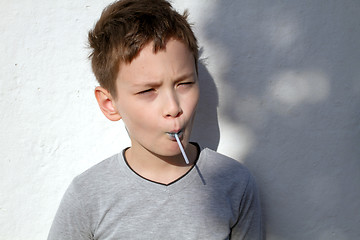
(157,95)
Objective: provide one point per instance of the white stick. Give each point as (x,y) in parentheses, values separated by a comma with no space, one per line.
(181,148)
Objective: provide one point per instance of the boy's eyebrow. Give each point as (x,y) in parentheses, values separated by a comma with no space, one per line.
(156,83)
(184,76)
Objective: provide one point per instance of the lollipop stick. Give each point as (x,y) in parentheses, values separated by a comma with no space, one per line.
(181,148)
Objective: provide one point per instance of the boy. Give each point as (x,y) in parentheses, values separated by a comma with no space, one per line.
(144,55)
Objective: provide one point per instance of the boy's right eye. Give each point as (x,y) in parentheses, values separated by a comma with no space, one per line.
(146,91)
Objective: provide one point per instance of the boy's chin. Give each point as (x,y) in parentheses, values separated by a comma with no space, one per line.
(172,151)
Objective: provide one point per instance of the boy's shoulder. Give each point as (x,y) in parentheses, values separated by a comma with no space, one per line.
(223,166)
(227,176)
(221,160)
(106,171)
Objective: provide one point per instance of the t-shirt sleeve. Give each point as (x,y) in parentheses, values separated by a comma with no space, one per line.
(249,225)
(71,220)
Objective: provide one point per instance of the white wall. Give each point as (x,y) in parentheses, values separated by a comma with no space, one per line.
(281,93)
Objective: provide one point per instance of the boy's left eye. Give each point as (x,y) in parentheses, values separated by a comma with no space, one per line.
(186,83)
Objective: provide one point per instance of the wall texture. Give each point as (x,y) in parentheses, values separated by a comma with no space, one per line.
(280,92)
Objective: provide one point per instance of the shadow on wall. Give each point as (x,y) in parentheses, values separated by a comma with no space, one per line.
(294,79)
(206,127)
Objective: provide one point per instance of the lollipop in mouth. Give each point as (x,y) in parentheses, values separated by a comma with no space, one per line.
(176,135)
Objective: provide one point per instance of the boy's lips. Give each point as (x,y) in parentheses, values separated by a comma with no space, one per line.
(172,134)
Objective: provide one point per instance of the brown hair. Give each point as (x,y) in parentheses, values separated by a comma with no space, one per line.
(126,26)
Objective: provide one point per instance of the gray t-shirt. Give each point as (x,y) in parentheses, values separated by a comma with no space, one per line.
(216,199)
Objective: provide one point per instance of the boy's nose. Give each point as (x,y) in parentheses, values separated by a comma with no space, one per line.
(171,106)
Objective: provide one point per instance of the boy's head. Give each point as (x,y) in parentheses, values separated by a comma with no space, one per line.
(145,58)
(125,27)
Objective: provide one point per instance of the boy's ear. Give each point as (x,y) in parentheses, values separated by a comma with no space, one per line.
(107,104)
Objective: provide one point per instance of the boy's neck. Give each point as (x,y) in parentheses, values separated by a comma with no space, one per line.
(160,169)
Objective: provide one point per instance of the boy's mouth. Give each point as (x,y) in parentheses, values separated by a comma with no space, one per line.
(172,134)
(175,136)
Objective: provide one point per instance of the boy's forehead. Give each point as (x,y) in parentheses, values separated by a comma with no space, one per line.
(174,59)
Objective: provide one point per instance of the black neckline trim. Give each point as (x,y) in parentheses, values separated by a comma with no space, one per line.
(178,179)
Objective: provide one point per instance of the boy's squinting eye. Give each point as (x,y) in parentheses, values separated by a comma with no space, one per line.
(186,84)
(147,91)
